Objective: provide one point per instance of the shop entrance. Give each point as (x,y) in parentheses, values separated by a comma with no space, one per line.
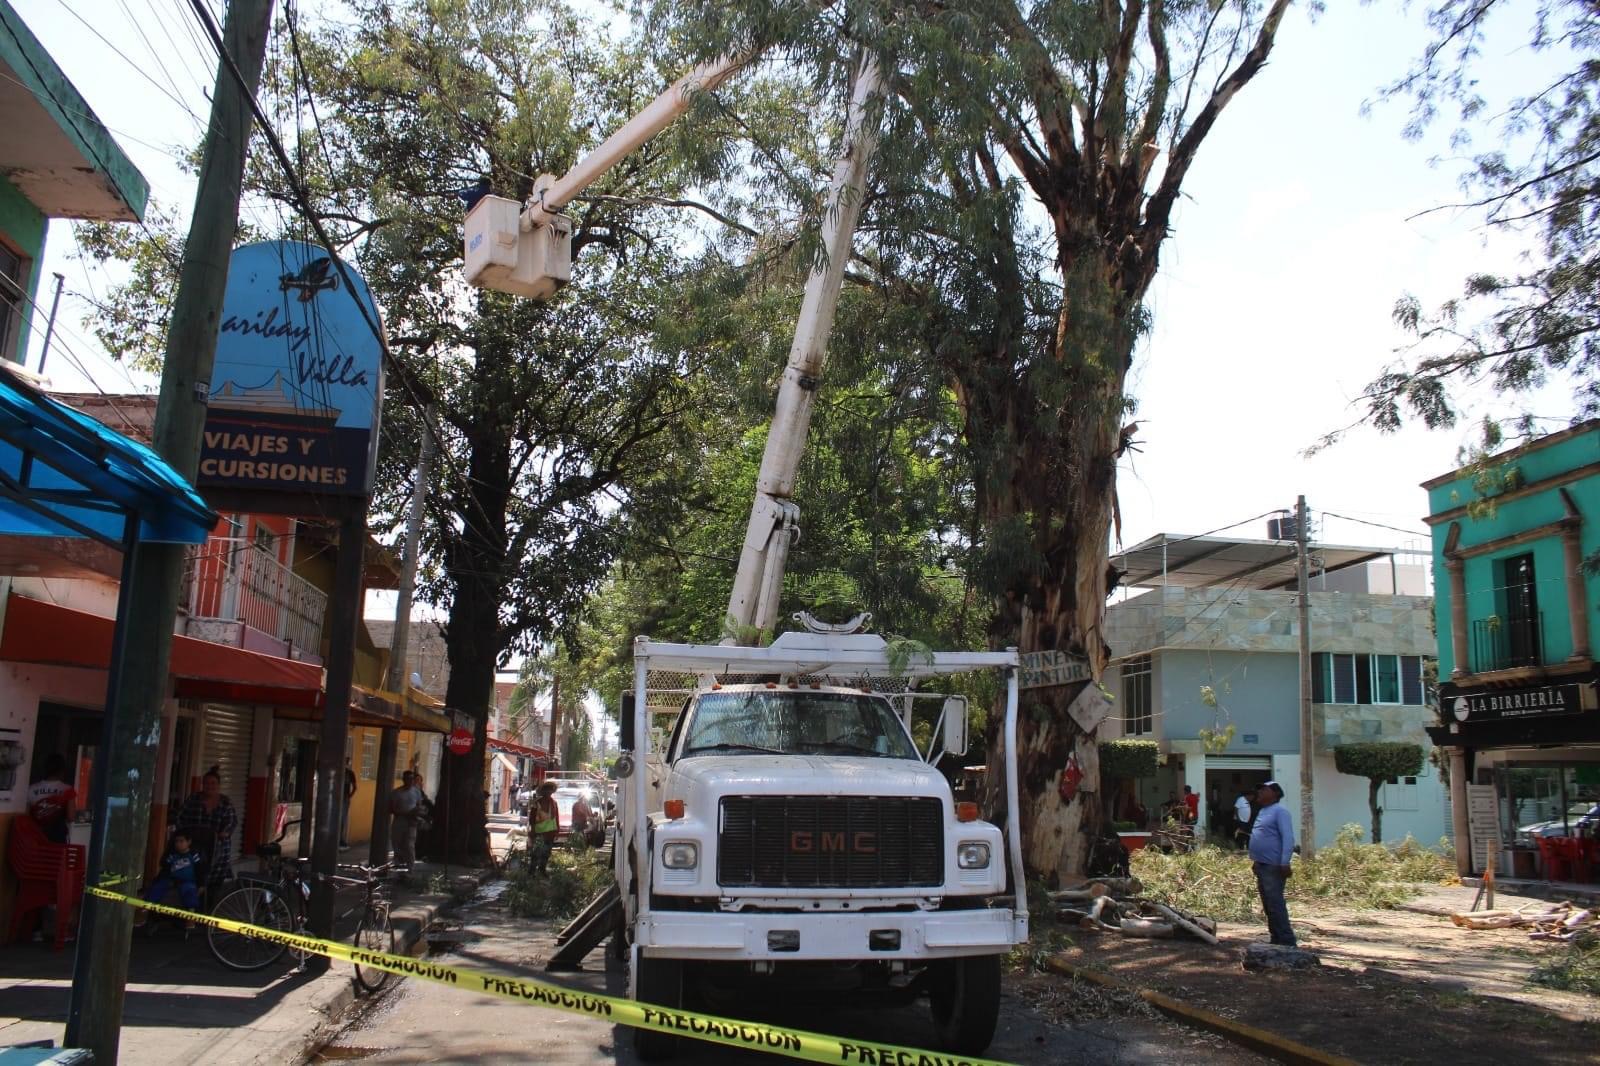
(1223,786)
(73,733)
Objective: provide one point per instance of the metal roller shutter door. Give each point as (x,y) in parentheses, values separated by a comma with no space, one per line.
(228,732)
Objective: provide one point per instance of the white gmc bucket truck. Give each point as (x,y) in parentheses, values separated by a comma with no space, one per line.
(783,825)
(778,824)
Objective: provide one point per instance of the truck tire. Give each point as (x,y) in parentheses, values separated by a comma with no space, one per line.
(964,998)
(660,983)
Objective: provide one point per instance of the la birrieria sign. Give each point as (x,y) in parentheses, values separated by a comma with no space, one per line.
(295,395)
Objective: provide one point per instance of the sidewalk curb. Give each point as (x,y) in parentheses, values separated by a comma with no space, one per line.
(338,994)
(1248,1036)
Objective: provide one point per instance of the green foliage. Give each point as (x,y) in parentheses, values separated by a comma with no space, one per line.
(572,880)
(1217,740)
(1531,166)
(1219,883)
(1378,759)
(1575,970)
(1124,759)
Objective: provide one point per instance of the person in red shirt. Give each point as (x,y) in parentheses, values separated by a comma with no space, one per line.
(1191,805)
(51,800)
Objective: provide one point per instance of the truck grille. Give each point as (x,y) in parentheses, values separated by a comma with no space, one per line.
(830,842)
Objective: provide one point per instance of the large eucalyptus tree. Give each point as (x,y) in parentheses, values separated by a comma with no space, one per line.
(1032,157)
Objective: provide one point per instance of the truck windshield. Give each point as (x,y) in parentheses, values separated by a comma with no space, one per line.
(795,723)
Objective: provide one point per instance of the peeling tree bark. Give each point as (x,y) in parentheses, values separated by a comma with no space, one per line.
(1056,466)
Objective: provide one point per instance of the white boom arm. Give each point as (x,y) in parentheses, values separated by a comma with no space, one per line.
(526,250)
(758,583)
(551,194)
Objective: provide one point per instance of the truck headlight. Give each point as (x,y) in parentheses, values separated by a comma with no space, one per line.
(972,855)
(686,856)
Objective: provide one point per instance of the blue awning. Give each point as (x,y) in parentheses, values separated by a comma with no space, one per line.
(62,474)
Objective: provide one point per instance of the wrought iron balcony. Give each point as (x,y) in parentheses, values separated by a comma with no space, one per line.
(230,579)
(1501,644)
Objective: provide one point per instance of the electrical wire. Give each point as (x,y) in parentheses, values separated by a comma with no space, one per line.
(1378,525)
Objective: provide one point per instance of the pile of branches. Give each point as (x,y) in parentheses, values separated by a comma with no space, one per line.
(1546,921)
(1117,905)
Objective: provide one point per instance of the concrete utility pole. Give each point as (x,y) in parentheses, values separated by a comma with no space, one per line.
(1302,537)
(555,716)
(400,642)
(344,614)
(124,771)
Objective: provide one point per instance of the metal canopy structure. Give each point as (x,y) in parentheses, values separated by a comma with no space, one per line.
(62,474)
(1202,562)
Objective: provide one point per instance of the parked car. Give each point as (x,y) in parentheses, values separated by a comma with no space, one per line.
(1581,815)
(593,827)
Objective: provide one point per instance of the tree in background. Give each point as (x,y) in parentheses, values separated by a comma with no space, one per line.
(1533,171)
(1378,761)
(557,422)
(1030,162)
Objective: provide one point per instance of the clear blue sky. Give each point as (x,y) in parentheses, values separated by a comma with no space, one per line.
(1271,311)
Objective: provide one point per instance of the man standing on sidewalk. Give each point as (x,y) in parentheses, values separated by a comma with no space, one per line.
(1271,848)
(405,804)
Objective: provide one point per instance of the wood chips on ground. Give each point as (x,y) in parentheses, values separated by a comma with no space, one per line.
(1395,986)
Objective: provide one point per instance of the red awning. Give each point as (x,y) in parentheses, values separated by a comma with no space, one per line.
(517,749)
(39,632)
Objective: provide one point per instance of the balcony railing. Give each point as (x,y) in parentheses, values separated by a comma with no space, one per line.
(1500,644)
(232,579)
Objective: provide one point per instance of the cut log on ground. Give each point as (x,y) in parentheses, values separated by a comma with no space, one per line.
(1153,928)
(1187,925)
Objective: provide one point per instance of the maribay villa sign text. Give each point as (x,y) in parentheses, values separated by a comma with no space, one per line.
(294,399)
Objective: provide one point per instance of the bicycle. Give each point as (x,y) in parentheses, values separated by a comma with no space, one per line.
(278,902)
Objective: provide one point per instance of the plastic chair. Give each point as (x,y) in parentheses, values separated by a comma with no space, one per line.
(1576,851)
(47,874)
(1557,858)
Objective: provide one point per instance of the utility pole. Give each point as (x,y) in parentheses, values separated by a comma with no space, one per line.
(399,644)
(555,714)
(124,770)
(50,323)
(1302,537)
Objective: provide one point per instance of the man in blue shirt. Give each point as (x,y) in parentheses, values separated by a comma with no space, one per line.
(1271,847)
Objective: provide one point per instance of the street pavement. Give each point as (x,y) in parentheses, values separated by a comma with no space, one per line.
(418,1022)
(182,1006)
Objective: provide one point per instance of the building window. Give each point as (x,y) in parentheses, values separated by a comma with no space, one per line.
(1136,714)
(13,272)
(266,540)
(369,756)
(1367,679)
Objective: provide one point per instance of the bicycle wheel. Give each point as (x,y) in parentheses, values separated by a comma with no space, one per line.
(253,905)
(374,934)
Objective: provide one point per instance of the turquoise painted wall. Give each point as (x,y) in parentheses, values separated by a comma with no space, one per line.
(23,227)
(1484,575)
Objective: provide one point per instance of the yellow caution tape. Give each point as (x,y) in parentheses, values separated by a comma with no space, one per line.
(773,1039)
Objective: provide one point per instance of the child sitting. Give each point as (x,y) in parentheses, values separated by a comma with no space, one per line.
(180,868)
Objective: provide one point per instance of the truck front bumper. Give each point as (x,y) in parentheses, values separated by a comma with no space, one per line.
(751,936)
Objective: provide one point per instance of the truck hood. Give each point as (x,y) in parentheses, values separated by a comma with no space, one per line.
(704,779)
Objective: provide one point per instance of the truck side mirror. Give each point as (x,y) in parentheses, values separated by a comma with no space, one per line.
(625,723)
(954,739)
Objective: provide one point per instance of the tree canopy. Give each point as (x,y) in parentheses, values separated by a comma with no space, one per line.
(1378,761)
(1532,173)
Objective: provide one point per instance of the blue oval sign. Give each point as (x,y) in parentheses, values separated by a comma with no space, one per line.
(297,387)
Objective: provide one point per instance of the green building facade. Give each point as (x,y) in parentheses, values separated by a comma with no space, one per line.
(57,160)
(1514,607)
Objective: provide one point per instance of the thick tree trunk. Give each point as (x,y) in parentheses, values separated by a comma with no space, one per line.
(475,562)
(1060,436)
